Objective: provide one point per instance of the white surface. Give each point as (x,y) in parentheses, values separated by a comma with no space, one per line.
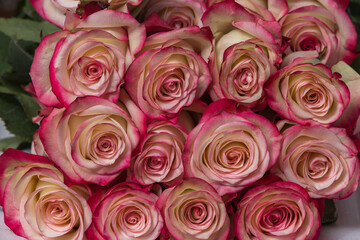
(347,226)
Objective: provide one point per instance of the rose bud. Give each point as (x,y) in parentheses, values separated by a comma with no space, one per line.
(92,140)
(36,202)
(194,210)
(54,11)
(321,160)
(160,154)
(231,149)
(88,59)
(247,52)
(280,210)
(322,26)
(171,73)
(125,211)
(307,92)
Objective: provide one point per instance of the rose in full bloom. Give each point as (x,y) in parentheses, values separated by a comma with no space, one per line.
(322,26)
(321,160)
(160,154)
(54,11)
(247,51)
(280,210)
(231,149)
(92,140)
(125,211)
(89,58)
(36,202)
(167,15)
(307,92)
(194,210)
(171,72)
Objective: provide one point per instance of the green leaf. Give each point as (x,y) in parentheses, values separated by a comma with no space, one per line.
(24,29)
(4,42)
(4,68)
(11,142)
(330,213)
(30,106)
(29,11)
(15,118)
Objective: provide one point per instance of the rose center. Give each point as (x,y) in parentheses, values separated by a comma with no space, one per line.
(243,81)
(155,163)
(93,71)
(197,213)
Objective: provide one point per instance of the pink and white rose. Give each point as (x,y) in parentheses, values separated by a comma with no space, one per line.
(321,160)
(307,92)
(247,51)
(194,210)
(55,11)
(126,211)
(92,140)
(88,59)
(160,154)
(231,149)
(322,26)
(36,202)
(163,15)
(280,210)
(171,73)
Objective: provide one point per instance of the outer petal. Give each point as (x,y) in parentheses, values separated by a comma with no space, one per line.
(39,72)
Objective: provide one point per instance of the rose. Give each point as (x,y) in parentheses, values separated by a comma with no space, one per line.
(281,210)
(268,10)
(169,15)
(92,140)
(171,72)
(307,92)
(36,202)
(125,212)
(244,69)
(321,160)
(321,26)
(247,52)
(194,210)
(54,10)
(88,59)
(230,149)
(160,154)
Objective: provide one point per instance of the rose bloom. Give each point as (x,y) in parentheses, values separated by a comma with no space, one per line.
(168,15)
(125,211)
(307,92)
(92,140)
(36,202)
(247,51)
(88,59)
(160,154)
(171,73)
(231,149)
(321,160)
(194,210)
(322,26)
(280,210)
(54,11)
(244,69)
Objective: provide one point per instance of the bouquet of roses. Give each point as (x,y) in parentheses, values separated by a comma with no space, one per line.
(180,119)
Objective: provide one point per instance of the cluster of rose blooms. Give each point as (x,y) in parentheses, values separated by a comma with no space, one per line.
(194,120)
